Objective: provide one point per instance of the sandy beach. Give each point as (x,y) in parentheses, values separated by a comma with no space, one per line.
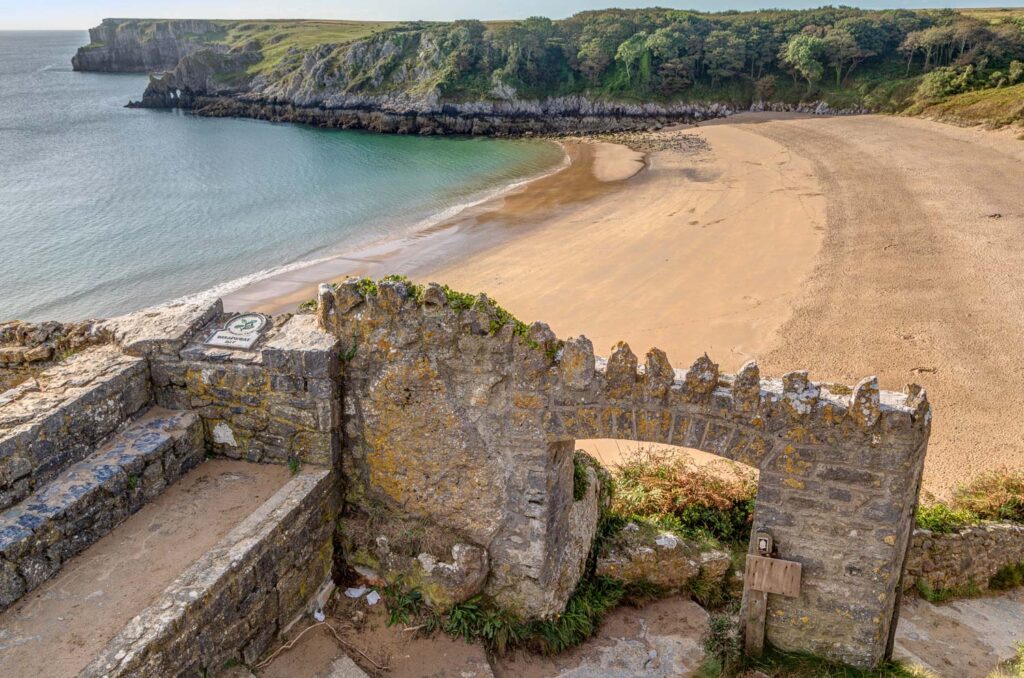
(845,246)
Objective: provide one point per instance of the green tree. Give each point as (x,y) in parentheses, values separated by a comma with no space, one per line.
(804,53)
(724,55)
(843,51)
(631,53)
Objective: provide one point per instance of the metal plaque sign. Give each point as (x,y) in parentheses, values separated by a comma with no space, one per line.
(242,331)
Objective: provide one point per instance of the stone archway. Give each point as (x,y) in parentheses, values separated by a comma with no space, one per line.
(459,416)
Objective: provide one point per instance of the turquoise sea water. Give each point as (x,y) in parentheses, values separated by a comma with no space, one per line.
(104,209)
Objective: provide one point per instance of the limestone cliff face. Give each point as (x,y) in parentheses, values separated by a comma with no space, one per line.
(137,46)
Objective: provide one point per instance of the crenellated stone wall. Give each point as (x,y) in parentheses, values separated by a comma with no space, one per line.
(456,415)
(448,429)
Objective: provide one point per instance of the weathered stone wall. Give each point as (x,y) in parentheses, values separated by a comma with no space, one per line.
(276,403)
(963,560)
(28,348)
(458,417)
(233,602)
(458,427)
(63,415)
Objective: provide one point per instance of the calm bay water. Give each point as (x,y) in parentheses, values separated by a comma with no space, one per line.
(105,209)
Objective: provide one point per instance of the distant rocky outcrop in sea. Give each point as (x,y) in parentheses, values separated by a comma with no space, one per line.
(131,46)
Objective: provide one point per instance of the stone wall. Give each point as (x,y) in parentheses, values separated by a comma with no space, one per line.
(963,560)
(235,600)
(274,404)
(28,348)
(450,428)
(460,418)
(64,414)
(92,497)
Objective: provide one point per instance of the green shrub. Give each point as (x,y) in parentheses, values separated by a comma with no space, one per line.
(478,619)
(1013,668)
(723,647)
(933,595)
(940,518)
(1016,72)
(1008,577)
(944,82)
(995,495)
(580,481)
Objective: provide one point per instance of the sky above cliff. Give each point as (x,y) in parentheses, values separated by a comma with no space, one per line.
(81,14)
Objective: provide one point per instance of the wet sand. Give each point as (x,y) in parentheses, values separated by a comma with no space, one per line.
(592,170)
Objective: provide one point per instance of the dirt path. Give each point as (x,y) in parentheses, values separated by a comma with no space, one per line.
(961,639)
(920,277)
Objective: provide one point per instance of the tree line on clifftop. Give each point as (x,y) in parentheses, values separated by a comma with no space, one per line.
(883,59)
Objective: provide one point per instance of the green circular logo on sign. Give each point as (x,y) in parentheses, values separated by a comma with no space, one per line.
(246,325)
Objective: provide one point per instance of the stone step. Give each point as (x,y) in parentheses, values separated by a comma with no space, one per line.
(89,498)
(65,624)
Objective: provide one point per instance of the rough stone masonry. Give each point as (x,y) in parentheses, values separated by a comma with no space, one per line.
(448,430)
(461,422)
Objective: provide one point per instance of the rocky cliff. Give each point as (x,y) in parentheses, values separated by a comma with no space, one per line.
(407,79)
(137,46)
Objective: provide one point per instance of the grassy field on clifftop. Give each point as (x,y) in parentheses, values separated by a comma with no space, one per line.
(277,38)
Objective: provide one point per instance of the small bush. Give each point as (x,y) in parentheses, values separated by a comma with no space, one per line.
(995,495)
(1013,668)
(498,629)
(403,604)
(723,647)
(580,481)
(699,501)
(944,82)
(940,518)
(933,595)
(1008,577)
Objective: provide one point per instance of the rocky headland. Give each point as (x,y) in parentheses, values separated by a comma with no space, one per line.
(391,81)
(130,46)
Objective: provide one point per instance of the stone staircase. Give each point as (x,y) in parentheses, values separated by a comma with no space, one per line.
(89,498)
(123,550)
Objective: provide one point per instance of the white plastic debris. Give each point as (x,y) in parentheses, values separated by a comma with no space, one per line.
(319,615)
(356,592)
(373,598)
(668,541)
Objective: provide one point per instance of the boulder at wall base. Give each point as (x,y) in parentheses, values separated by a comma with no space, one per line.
(443,578)
(640,553)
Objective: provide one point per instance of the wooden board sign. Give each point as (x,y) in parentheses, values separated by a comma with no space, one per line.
(772,575)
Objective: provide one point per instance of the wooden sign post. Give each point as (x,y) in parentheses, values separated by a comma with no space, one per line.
(765,575)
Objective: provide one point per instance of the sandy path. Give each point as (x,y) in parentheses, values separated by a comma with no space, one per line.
(60,627)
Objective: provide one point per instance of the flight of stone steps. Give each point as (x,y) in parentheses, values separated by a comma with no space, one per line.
(87,499)
(125,548)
